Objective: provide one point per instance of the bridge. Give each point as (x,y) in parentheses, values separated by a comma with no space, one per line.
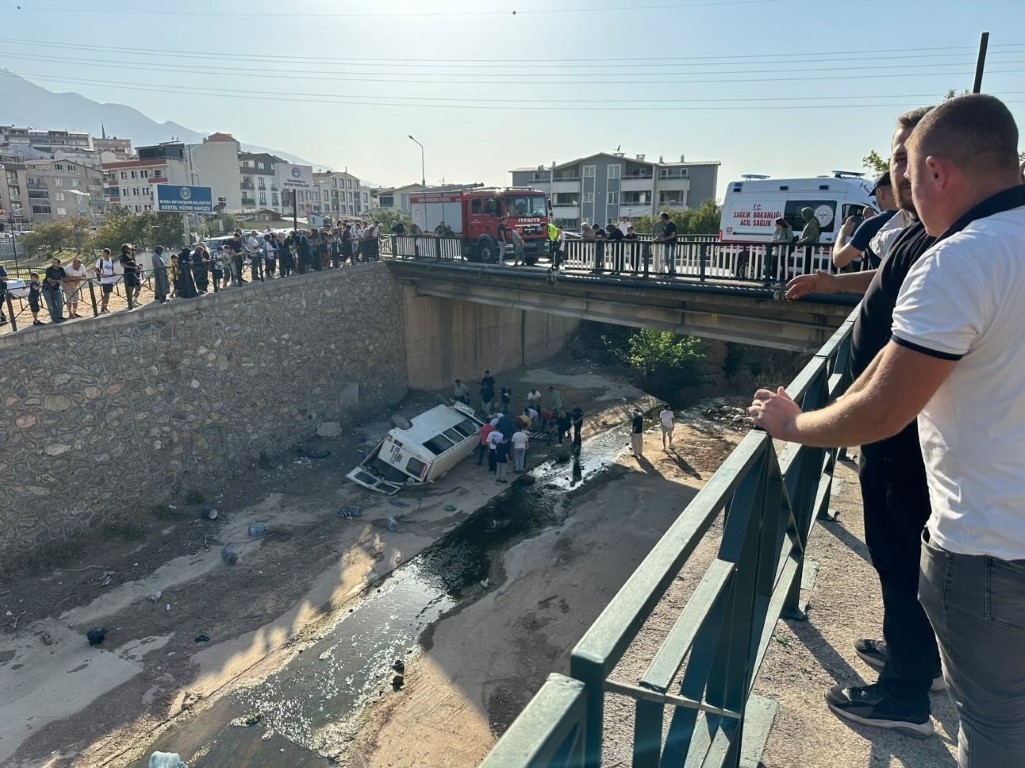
(731,292)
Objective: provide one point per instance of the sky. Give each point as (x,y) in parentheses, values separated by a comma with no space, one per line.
(779,87)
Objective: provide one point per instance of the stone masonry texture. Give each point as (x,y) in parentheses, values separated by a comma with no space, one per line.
(105,417)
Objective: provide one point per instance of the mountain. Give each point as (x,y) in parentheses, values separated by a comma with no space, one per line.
(26,104)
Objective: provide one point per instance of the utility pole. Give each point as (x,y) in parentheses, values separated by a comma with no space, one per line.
(980,67)
(423,177)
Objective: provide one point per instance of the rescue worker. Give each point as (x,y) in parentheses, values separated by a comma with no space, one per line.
(553,244)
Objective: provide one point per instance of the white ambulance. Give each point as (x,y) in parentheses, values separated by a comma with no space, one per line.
(754,203)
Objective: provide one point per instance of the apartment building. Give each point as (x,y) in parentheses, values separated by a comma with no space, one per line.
(131,184)
(61,189)
(215,164)
(338,195)
(19,140)
(258,182)
(14,190)
(609,185)
(114,149)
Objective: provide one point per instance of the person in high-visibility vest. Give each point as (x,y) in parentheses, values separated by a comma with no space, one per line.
(553,244)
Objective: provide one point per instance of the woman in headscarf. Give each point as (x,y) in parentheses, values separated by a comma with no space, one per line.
(201,268)
(186,285)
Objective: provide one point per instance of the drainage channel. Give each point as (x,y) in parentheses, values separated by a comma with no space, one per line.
(312,706)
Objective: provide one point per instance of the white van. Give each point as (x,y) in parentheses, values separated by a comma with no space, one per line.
(754,203)
(421,450)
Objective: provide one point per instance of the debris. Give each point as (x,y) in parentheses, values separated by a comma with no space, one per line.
(46,637)
(247,720)
(450,507)
(268,734)
(256,530)
(398,503)
(202,638)
(155,597)
(329,429)
(350,511)
(166,760)
(398,682)
(312,453)
(229,555)
(485,582)
(17,619)
(107,577)
(167,607)
(208,513)
(399,666)
(95,636)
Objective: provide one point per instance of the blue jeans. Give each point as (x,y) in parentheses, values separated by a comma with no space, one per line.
(54,302)
(977,606)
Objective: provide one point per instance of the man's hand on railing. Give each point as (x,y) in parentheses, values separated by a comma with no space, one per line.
(774,412)
(805,285)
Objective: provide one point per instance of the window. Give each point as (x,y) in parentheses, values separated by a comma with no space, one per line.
(59,197)
(526,206)
(588,171)
(124,175)
(416,468)
(62,211)
(58,182)
(438,444)
(274,198)
(134,175)
(44,209)
(466,428)
(146,191)
(135,191)
(613,198)
(475,206)
(589,197)
(58,167)
(145,173)
(263,198)
(123,192)
(615,171)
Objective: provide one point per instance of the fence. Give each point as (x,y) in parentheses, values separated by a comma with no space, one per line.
(702,257)
(718,642)
(443,248)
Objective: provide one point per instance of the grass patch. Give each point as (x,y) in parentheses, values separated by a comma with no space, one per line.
(194,497)
(123,531)
(167,514)
(53,554)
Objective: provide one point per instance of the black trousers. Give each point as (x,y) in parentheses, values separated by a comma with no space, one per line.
(896,500)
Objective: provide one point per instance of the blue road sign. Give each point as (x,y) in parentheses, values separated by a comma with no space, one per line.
(175,199)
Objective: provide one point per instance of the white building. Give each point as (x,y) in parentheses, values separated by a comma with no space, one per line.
(215,164)
(258,182)
(609,186)
(338,195)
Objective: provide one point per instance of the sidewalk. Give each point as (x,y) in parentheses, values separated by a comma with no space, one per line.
(807,658)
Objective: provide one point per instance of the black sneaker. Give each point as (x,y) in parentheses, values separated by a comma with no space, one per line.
(868,706)
(875,653)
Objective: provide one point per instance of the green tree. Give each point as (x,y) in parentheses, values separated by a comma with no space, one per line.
(876,163)
(221,224)
(388,220)
(703,220)
(48,240)
(666,360)
(165,229)
(144,230)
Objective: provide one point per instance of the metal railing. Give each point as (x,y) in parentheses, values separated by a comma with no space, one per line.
(706,666)
(444,248)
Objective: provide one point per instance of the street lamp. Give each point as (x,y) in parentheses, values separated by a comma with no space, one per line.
(423,176)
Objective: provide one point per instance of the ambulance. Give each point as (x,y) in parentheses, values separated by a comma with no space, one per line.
(754,203)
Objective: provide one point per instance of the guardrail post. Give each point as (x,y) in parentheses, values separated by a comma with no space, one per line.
(590,673)
(437,249)
(767,267)
(647,258)
(10,312)
(703,262)
(92,298)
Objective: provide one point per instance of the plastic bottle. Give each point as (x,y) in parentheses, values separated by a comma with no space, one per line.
(392,524)
(229,555)
(256,530)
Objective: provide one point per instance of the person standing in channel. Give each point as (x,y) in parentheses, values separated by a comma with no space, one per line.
(52,293)
(954,360)
(637,435)
(104,269)
(668,423)
(520,441)
(577,417)
(487,393)
(461,392)
(668,237)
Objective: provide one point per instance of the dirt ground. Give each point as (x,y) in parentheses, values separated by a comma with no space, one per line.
(212,626)
(482,665)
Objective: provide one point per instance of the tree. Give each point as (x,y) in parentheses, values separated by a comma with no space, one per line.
(703,220)
(49,240)
(165,229)
(221,224)
(667,360)
(388,219)
(146,229)
(875,163)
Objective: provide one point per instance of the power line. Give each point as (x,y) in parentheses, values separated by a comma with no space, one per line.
(432,103)
(403,14)
(782,58)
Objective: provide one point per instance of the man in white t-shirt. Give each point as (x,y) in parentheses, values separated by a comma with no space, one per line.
(956,361)
(668,423)
(104,268)
(520,441)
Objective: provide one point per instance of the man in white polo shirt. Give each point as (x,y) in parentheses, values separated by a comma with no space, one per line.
(957,361)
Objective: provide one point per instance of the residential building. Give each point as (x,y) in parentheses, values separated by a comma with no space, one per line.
(18,140)
(609,186)
(338,195)
(14,190)
(131,183)
(257,181)
(60,189)
(113,149)
(215,164)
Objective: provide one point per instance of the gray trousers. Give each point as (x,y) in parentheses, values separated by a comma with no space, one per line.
(520,459)
(976,605)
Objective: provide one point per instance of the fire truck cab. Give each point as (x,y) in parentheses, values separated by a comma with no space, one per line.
(474,216)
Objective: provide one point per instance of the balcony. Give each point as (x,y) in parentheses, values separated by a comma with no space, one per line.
(636,184)
(246,185)
(251,201)
(566,212)
(565,186)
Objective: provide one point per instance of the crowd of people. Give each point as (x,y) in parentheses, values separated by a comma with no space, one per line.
(936,406)
(506,434)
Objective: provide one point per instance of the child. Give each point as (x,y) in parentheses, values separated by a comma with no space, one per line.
(217,268)
(34,294)
(172,270)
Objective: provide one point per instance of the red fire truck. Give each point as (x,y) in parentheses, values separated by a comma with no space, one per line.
(474,215)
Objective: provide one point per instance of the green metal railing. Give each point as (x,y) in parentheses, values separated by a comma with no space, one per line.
(717,644)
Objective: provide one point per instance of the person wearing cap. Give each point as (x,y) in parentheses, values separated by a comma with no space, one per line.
(77,275)
(52,295)
(854,239)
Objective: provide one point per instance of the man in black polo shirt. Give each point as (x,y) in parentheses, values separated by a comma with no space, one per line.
(895,494)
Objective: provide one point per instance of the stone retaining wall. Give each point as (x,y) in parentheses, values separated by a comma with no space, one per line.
(103,416)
